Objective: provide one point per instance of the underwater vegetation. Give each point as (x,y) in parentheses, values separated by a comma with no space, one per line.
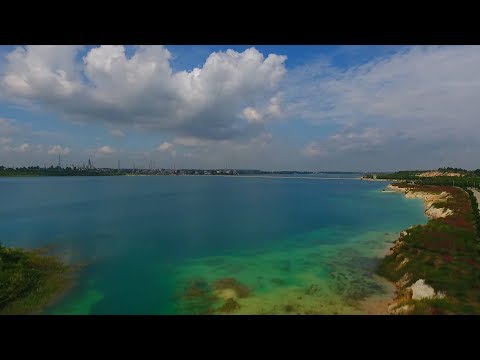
(219,296)
(30,280)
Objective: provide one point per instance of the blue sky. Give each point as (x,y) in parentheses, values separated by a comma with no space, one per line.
(270,107)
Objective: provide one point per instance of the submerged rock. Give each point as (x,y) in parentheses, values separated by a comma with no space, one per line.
(196,298)
(241,290)
(229,306)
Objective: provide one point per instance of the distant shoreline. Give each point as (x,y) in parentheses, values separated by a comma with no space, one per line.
(197,175)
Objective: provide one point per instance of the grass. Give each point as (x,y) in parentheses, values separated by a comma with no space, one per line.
(445,252)
(30,280)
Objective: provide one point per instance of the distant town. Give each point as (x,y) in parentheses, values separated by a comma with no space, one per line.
(89,169)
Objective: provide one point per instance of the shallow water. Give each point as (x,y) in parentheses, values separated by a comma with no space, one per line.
(158,245)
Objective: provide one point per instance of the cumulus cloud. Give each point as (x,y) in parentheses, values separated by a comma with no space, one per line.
(117,132)
(251,114)
(166,146)
(143,90)
(105,150)
(57,149)
(274,109)
(271,111)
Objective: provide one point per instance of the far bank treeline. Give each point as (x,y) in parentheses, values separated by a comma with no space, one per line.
(462,178)
(92,171)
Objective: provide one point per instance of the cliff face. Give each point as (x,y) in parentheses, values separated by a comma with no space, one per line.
(432,201)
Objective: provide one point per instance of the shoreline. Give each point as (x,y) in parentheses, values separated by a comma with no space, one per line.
(393,306)
(429,199)
(422,260)
(382,304)
(387,304)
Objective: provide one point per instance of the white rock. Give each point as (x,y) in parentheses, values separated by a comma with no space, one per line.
(420,290)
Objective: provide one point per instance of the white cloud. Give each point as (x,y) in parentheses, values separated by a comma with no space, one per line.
(32,70)
(166,146)
(16,149)
(117,132)
(189,141)
(272,110)
(57,149)
(418,97)
(251,114)
(105,150)
(24,147)
(143,89)
(5,140)
(416,89)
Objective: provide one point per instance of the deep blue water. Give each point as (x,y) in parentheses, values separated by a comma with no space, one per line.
(134,231)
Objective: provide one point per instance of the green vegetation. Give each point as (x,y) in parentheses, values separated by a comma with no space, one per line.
(29,280)
(467,178)
(445,252)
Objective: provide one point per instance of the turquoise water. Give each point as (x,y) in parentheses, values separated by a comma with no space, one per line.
(300,245)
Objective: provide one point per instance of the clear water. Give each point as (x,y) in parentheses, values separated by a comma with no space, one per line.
(301,245)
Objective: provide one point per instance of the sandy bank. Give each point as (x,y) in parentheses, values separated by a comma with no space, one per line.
(429,199)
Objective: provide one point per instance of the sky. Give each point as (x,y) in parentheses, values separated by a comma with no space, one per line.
(320,108)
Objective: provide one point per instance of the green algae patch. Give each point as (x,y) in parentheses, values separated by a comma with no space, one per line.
(30,280)
(83,304)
